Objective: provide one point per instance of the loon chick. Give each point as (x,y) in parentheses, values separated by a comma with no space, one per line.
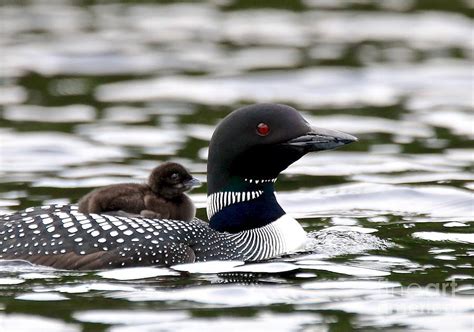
(248,150)
(162,197)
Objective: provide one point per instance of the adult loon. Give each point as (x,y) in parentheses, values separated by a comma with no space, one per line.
(162,197)
(248,150)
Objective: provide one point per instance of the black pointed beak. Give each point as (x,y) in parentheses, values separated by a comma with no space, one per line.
(192,183)
(319,139)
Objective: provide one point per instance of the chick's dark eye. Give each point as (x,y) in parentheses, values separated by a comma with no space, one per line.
(263,129)
(174,176)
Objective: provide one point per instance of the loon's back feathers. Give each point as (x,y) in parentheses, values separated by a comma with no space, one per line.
(248,150)
(60,236)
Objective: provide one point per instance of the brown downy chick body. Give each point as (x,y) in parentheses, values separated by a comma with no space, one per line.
(162,197)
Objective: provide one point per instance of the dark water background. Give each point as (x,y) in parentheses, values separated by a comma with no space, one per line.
(99,92)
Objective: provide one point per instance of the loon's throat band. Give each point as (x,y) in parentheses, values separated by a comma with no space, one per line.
(217,201)
(239,190)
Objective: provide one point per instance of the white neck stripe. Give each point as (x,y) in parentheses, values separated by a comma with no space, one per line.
(217,201)
(257,181)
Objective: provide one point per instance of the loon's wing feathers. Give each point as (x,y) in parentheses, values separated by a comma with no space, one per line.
(180,253)
(71,260)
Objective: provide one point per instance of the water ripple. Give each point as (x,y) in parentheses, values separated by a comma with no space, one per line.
(95,93)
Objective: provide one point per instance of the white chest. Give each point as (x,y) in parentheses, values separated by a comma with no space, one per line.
(291,233)
(284,235)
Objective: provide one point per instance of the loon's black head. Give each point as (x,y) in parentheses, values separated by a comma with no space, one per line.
(260,141)
(252,145)
(170,180)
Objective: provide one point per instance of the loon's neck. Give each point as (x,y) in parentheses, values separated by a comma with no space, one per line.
(243,204)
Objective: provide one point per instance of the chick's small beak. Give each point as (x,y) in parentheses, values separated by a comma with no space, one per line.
(192,183)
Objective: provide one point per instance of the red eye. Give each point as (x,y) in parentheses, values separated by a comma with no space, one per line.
(263,129)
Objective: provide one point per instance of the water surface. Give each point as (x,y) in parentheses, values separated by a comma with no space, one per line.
(95,93)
